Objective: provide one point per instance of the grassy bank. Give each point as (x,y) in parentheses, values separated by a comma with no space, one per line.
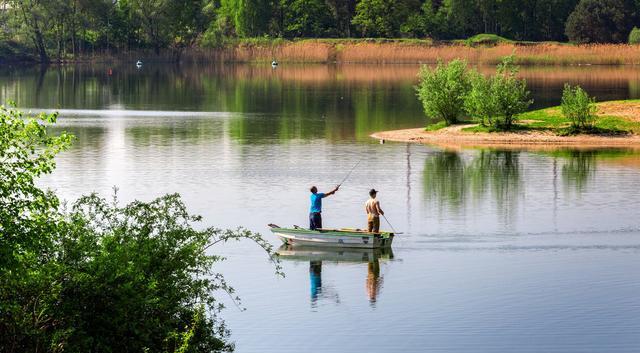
(615,118)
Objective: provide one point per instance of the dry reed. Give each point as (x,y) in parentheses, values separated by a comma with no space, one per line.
(318,51)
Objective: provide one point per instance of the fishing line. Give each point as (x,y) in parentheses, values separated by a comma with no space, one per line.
(349,174)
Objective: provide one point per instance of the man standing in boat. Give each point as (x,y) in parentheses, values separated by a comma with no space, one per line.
(372,207)
(315,213)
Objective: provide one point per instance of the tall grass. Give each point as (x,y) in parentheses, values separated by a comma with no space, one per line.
(387,51)
(417,51)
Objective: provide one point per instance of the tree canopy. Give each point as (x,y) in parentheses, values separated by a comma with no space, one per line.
(62,29)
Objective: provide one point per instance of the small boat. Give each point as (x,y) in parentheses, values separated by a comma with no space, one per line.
(345,238)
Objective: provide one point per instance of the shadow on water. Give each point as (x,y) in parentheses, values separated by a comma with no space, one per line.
(317,256)
(451,178)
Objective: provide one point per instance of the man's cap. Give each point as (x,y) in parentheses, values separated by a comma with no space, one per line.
(373,191)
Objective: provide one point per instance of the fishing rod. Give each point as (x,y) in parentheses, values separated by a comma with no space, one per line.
(389,223)
(349,174)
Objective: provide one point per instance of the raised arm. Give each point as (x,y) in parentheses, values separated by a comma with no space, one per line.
(332,191)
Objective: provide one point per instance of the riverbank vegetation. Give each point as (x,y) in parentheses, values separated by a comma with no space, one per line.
(451,91)
(64,30)
(99,276)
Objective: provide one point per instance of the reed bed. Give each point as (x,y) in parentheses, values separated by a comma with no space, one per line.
(389,51)
(409,52)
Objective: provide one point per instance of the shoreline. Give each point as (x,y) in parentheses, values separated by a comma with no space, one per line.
(452,137)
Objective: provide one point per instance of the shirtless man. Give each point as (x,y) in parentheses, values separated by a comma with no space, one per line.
(372,206)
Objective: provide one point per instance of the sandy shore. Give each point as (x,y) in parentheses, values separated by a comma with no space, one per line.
(452,137)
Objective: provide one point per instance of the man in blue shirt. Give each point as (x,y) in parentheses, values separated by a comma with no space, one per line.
(315,212)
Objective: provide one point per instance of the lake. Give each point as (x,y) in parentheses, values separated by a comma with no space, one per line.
(501,251)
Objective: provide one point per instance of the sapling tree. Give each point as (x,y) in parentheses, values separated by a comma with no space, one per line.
(443,90)
(578,107)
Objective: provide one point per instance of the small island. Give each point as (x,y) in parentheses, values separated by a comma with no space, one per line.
(617,125)
(472,109)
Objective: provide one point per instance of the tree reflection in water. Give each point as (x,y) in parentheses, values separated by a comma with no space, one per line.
(450,179)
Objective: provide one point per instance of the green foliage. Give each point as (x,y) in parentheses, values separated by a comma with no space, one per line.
(510,94)
(383,18)
(486,39)
(101,277)
(497,100)
(27,213)
(578,107)
(634,36)
(307,18)
(436,126)
(251,17)
(601,21)
(62,29)
(480,102)
(443,90)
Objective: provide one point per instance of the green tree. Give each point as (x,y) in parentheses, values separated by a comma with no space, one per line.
(601,21)
(307,18)
(443,90)
(509,93)
(252,17)
(431,21)
(578,107)
(634,36)
(498,99)
(343,12)
(383,18)
(480,102)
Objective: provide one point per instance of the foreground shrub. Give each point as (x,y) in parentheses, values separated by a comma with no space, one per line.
(443,90)
(578,107)
(497,100)
(101,277)
(634,36)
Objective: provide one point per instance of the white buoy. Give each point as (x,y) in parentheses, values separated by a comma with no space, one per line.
(139,63)
(274,63)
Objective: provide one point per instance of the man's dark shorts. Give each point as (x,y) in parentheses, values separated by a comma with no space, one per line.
(315,220)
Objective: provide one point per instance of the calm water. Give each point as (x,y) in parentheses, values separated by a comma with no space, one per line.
(502,251)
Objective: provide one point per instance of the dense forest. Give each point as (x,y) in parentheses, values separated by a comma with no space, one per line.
(68,28)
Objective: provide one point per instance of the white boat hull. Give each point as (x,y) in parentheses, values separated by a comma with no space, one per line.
(329,238)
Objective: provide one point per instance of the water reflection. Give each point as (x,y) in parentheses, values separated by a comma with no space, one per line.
(450,178)
(579,166)
(317,256)
(336,102)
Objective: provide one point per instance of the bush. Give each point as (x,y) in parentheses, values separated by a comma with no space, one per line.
(100,277)
(444,89)
(578,107)
(480,102)
(497,100)
(510,94)
(634,36)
